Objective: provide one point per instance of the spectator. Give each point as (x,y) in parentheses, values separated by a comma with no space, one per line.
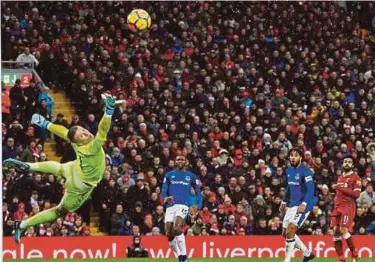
(46,103)
(240,212)
(137,193)
(326,197)
(230,226)
(156,232)
(116,220)
(126,228)
(17,100)
(244,224)
(205,214)
(9,150)
(371,150)
(32,93)
(26,59)
(367,197)
(197,226)
(137,215)
(147,226)
(275,226)
(86,231)
(261,228)
(108,203)
(117,158)
(8,221)
(30,154)
(20,214)
(92,124)
(30,232)
(259,207)
(5,103)
(77,227)
(229,209)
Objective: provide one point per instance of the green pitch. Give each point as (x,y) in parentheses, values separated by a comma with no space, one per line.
(191,260)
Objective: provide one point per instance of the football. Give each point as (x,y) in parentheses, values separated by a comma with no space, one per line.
(139,20)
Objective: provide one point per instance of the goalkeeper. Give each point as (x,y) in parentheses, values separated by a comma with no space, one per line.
(81,175)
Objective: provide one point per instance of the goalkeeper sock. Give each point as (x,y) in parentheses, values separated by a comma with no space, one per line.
(40,218)
(289,249)
(45,124)
(47,167)
(181,244)
(301,246)
(174,246)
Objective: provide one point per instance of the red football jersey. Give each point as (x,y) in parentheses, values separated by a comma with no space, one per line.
(351,181)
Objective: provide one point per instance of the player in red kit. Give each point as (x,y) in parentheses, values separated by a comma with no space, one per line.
(348,189)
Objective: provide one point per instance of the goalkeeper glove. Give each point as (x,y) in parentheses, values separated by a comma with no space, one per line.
(40,121)
(110,103)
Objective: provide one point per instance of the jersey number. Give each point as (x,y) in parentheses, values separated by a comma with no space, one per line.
(345,219)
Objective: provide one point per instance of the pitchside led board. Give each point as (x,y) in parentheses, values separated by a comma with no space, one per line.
(10,78)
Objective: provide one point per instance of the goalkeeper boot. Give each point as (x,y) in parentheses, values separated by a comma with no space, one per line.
(14,163)
(17,231)
(306,259)
(183,258)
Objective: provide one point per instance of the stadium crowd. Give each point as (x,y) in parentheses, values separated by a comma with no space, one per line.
(231,85)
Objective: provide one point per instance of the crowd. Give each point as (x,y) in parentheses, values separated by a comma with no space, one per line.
(231,85)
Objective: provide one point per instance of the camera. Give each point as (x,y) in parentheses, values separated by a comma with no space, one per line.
(136,250)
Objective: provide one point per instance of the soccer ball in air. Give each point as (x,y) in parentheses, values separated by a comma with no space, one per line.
(139,20)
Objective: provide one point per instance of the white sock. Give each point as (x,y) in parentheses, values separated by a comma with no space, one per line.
(173,244)
(289,249)
(181,244)
(301,246)
(22,225)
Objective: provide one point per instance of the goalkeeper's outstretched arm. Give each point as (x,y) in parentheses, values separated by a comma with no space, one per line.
(104,126)
(58,130)
(105,122)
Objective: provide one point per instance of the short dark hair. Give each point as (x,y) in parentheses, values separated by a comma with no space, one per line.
(350,157)
(297,150)
(71,133)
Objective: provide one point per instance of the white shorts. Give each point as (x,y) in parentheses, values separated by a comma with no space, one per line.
(293,217)
(176,211)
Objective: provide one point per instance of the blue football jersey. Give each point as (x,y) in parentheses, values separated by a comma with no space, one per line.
(178,184)
(301,188)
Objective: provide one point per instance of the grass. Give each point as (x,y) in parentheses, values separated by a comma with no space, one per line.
(190,260)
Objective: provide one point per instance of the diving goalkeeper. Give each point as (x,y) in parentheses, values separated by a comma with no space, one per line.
(81,175)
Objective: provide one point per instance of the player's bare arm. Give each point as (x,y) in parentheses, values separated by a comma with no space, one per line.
(168,199)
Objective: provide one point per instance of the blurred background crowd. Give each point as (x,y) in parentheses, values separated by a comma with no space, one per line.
(231,85)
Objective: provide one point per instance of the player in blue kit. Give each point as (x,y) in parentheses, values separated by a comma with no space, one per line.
(299,198)
(176,194)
